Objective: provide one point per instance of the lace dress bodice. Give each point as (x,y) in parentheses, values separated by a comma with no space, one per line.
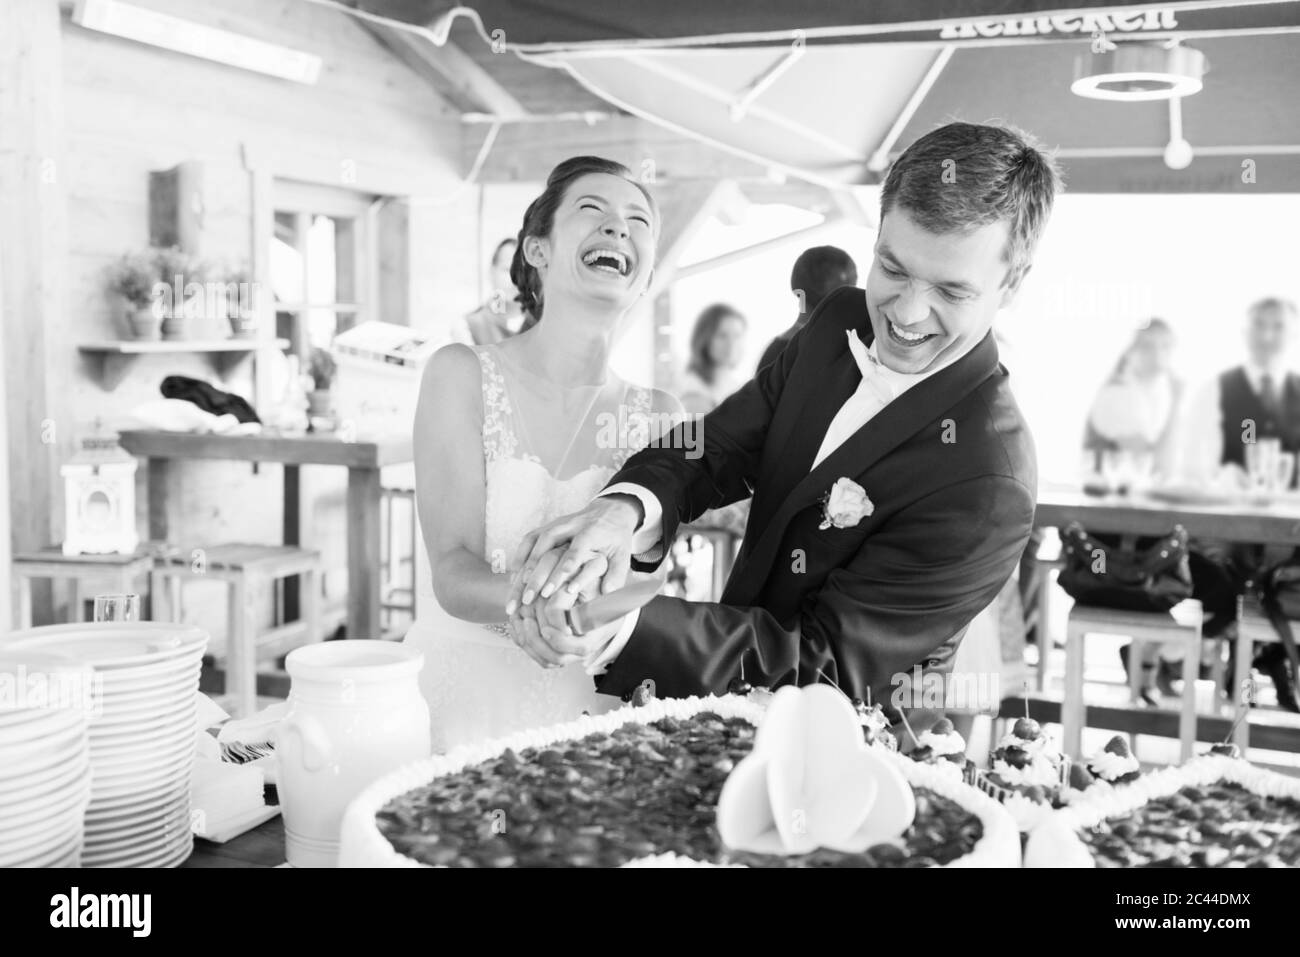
(522,492)
(478,684)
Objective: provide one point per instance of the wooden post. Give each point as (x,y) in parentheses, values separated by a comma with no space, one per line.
(34,253)
(6,592)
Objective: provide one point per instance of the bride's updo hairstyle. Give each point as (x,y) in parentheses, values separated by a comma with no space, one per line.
(539,219)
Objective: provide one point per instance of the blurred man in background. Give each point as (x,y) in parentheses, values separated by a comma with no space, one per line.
(817,272)
(1247,405)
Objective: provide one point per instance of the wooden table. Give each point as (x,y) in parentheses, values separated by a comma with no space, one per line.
(363,458)
(263,846)
(1138,514)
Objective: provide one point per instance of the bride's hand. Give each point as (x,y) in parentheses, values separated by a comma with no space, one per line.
(526,632)
(578,550)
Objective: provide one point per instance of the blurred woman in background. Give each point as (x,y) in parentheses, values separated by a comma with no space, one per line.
(717,346)
(1135,411)
(1130,434)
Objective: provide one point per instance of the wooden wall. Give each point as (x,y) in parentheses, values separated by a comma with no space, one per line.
(116,110)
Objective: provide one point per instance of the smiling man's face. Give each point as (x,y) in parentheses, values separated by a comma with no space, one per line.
(933,296)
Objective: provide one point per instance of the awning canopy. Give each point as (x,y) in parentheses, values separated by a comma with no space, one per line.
(552,25)
(829,90)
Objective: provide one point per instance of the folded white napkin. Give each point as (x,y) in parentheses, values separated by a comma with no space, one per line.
(181,415)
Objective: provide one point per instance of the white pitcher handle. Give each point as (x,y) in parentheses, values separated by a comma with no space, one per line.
(317,751)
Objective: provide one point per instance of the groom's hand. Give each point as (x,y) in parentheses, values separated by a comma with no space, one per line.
(528,633)
(576,551)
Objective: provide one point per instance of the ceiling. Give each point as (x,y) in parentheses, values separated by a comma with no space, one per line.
(831,106)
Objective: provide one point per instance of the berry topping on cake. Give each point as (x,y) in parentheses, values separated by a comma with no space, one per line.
(1227,750)
(1117,745)
(943,727)
(739,686)
(1081,778)
(1016,757)
(643,694)
(1115,762)
(1027,729)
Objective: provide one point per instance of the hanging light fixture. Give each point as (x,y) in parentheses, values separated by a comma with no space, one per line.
(1136,72)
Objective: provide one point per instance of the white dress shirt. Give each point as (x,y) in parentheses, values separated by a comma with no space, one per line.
(1201,431)
(880,385)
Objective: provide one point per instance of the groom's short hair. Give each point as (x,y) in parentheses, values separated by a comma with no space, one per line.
(962,176)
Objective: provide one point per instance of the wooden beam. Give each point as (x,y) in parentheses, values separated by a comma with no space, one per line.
(6,609)
(393,283)
(450,71)
(262,229)
(34,253)
(805,235)
(527,152)
(684,208)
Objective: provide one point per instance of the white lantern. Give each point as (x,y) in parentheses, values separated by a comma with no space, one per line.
(99,497)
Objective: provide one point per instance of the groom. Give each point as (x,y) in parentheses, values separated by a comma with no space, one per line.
(892,474)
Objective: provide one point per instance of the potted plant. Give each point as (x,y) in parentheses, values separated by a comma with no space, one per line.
(322,370)
(178,270)
(240,307)
(132,278)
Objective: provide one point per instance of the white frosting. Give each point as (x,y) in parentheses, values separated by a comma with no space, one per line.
(943,744)
(1060,844)
(362,844)
(1109,767)
(1028,814)
(1039,771)
(1032,745)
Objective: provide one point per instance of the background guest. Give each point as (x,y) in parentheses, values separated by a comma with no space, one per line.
(1262,391)
(1136,410)
(499,317)
(816,273)
(1135,414)
(717,345)
(1250,402)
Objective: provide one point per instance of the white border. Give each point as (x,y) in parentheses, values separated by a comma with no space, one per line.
(362,844)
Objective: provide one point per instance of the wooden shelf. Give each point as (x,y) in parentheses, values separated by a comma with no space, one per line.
(115,357)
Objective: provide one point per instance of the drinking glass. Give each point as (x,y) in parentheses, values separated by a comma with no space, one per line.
(117,608)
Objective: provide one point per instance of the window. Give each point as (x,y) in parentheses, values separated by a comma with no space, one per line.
(320,263)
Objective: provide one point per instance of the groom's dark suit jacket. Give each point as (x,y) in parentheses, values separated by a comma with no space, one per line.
(949,466)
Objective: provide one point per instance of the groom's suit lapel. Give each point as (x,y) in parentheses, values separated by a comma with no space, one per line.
(919,406)
(802,438)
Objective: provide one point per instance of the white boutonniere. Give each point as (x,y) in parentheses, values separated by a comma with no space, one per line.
(845,505)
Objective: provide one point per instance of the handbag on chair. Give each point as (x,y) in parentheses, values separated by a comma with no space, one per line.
(1278,589)
(1154,578)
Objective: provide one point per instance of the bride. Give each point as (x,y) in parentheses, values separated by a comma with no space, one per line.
(511,435)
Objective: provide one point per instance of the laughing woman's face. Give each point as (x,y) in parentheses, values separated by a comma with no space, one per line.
(602,245)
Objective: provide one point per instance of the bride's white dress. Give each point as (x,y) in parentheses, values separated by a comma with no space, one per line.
(478,684)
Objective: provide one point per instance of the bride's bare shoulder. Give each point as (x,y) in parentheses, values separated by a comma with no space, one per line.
(451,377)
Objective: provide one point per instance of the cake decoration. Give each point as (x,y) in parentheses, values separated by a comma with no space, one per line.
(941,745)
(633,787)
(811,782)
(1115,763)
(1214,811)
(1029,774)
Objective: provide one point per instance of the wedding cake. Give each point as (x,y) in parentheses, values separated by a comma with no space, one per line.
(642,786)
(1213,811)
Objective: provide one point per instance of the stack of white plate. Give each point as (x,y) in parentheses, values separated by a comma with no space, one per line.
(142,735)
(45,774)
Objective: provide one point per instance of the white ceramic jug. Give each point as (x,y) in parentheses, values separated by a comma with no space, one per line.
(355,713)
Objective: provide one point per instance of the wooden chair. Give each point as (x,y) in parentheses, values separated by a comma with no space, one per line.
(248,570)
(1183,622)
(397,566)
(85,574)
(1253,627)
